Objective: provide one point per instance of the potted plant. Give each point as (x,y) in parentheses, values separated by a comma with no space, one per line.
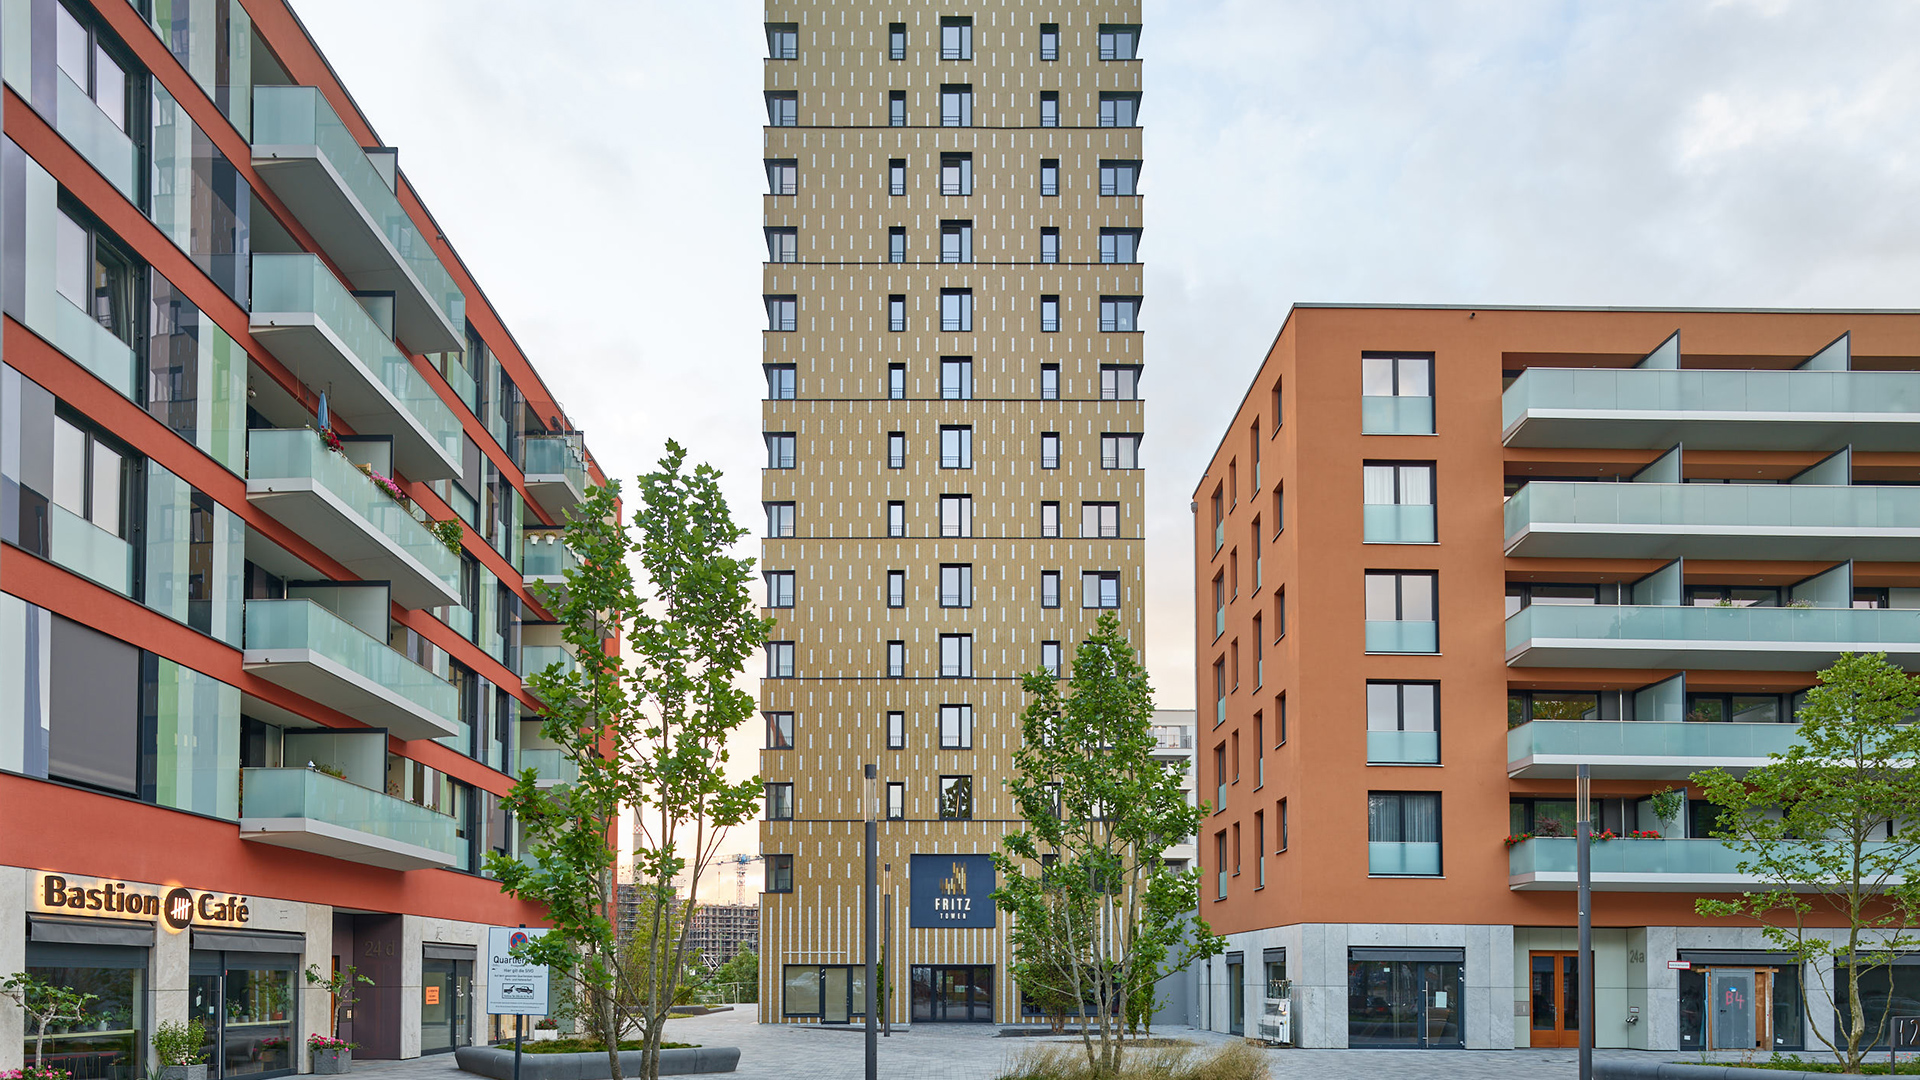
(546,1029)
(331,1053)
(46,1004)
(179,1050)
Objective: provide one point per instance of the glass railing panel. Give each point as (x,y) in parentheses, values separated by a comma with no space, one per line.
(298,453)
(549,766)
(89,550)
(1403,637)
(1396,415)
(1399,524)
(542,557)
(1403,858)
(549,455)
(538,657)
(463,385)
(1752,506)
(1648,739)
(90,131)
(94,347)
(309,793)
(1710,391)
(303,624)
(1864,626)
(1403,747)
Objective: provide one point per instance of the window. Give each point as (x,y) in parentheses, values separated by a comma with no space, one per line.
(897,41)
(1119,42)
(897,244)
(783,176)
(783,108)
(897,381)
(1050,315)
(956,447)
(956,311)
(1403,723)
(1219,604)
(956,515)
(1259,751)
(956,378)
(896,659)
(1119,382)
(1403,833)
(1259,849)
(1050,658)
(779,519)
(1049,176)
(956,174)
(779,802)
(780,382)
(956,798)
(1280,835)
(1119,245)
(783,41)
(896,800)
(779,731)
(1220,864)
(1120,314)
(1119,451)
(897,323)
(896,588)
(1401,612)
(1119,178)
(956,727)
(783,245)
(956,241)
(1279,613)
(1398,499)
(896,731)
(1280,715)
(896,518)
(82,58)
(91,272)
(896,449)
(956,585)
(1049,108)
(1100,589)
(1100,520)
(779,659)
(1049,449)
(897,108)
(1397,395)
(782,312)
(956,105)
(779,588)
(1049,41)
(779,450)
(1220,716)
(1049,245)
(1119,109)
(1049,588)
(779,873)
(897,176)
(956,38)
(956,656)
(1279,509)
(1050,519)
(90,478)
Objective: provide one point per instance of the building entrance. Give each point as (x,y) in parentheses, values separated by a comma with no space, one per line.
(1405,999)
(953,994)
(1553,980)
(246,1001)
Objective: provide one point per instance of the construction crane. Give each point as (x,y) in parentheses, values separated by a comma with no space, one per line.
(740,875)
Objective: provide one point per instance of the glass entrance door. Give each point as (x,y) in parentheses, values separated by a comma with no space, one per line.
(1554,987)
(1405,1004)
(835,1008)
(446,1004)
(953,994)
(246,1002)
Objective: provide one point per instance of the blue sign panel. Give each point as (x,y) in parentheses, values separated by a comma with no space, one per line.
(952,890)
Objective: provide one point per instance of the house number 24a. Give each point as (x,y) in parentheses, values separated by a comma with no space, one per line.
(1636,956)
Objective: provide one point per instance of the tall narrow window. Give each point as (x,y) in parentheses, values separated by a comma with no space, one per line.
(956,727)
(1049,176)
(956,378)
(780,450)
(1259,849)
(1049,314)
(779,659)
(956,105)
(780,382)
(956,447)
(897,108)
(1049,41)
(896,449)
(956,798)
(896,519)
(1049,382)
(1050,519)
(1280,834)
(1049,588)
(897,319)
(779,731)
(896,588)
(896,731)
(779,519)
(897,176)
(1049,245)
(897,41)
(896,800)
(897,244)
(897,381)
(956,37)
(782,313)
(1050,658)
(1049,108)
(783,108)
(896,659)
(1049,449)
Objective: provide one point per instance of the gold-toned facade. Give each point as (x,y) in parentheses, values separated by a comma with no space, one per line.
(999,249)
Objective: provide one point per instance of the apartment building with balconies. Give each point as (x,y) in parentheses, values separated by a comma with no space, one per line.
(276,479)
(1646,530)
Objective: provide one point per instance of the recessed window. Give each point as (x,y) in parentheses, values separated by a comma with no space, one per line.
(956,105)
(896,731)
(1050,519)
(783,245)
(1100,589)
(897,176)
(1402,612)
(1049,176)
(956,38)
(1050,450)
(779,588)
(896,449)
(956,447)
(783,176)
(1050,658)
(897,323)
(1049,41)
(956,241)
(1049,108)
(1049,245)
(783,108)
(782,313)
(1049,588)
(896,659)
(897,381)
(1403,833)
(779,519)
(779,659)
(779,873)
(956,585)
(1049,314)
(1119,178)
(780,448)
(1100,520)
(1049,382)
(1118,451)
(956,310)
(896,588)
(897,244)
(783,41)
(779,731)
(956,515)
(896,800)
(780,382)
(1119,109)
(956,798)
(956,174)
(1403,723)
(896,41)
(780,802)
(896,519)
(1119,314)
(1119,245)
(956,378)
(897,108)
(1119,41)
(1119,382)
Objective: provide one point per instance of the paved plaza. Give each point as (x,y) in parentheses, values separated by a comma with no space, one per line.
(959,1052)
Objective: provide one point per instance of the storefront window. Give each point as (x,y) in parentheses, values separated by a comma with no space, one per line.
(1404,998)
(1777,1021)
(1901,982)
(107,1044)
(246,1000)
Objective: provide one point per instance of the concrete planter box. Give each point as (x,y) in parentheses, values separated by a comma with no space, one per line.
(1670,1070)
(545,1034)
(497,1063)
(332,1062)
(183,1072)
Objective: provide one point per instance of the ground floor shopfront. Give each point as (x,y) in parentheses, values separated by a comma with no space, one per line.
(153,952)
(1472,986)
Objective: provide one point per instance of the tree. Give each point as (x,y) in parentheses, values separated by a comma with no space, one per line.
(343,989)
(1830,830)
(46,1004)
(1096,912)
(648,732)
(742,974)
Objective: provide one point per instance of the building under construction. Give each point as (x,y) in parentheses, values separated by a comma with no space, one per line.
(721,930)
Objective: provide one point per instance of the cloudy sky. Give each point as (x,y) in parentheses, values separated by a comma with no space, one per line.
(597,164)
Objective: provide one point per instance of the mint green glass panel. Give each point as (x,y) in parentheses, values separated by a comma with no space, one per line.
(82,124)
(1406,637)
(1403,748)
(171,196)
(300,116)
(550,766)
(461,380)
(549,455)
(1648,739)
(1403,858)
(1399,524)
(1755,507)
(192,30)
(169,535)
(1710,391)
(94,347)
(180,560)
(221,429)
(537,658)
(1396,415)
(1877,626)
(486,617)
(1681,858)
(196,758)
(298,453)
(547,558)
(300,283)
(309,793)
(90,551)
(303,624)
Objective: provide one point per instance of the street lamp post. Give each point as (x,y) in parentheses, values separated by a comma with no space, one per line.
(1583,817)
(886,948)
(872,926)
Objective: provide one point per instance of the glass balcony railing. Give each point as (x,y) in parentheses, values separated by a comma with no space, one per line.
(1708,395)
(1645,745)
(92,133)
(549,766)
(1399,524)
(1173,736)
(1402,637)
(314,795)
(555,455)
(303,624)
(1608,514)
(1396,415)
(1866,628)
(94,347)
(543,555)
(539,657)
(1403,748)
(1550,862)
(1409,859)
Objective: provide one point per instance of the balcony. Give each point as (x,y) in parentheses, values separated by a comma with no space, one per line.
(1396,415)
(1653,408)
(551,768)
(1398,524)
(1402,637)
(308,810)
(1715,521)
(1641,749)
(306,155)
(307,319)
(304,647)
(1630,866)
(545,559)
(539,657)
(1172,737)
(321,495)
(1408,859)
(93,133)
(1403,748)
(1738,638)
(556,472)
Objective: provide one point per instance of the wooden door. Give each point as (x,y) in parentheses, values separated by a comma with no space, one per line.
(1553,986)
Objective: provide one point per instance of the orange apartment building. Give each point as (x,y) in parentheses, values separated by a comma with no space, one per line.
(1646,531)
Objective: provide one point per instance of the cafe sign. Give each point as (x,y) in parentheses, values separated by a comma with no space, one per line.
(172,906)
(952,890)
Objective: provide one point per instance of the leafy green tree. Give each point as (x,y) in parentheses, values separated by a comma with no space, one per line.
(647,728)
(742,973)
(1096,913)
(46,1004)
(1831,828)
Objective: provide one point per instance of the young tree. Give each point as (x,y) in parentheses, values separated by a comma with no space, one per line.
(1831,828)
(1096,912)
(740,975)
(648,732)
(46,1004)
